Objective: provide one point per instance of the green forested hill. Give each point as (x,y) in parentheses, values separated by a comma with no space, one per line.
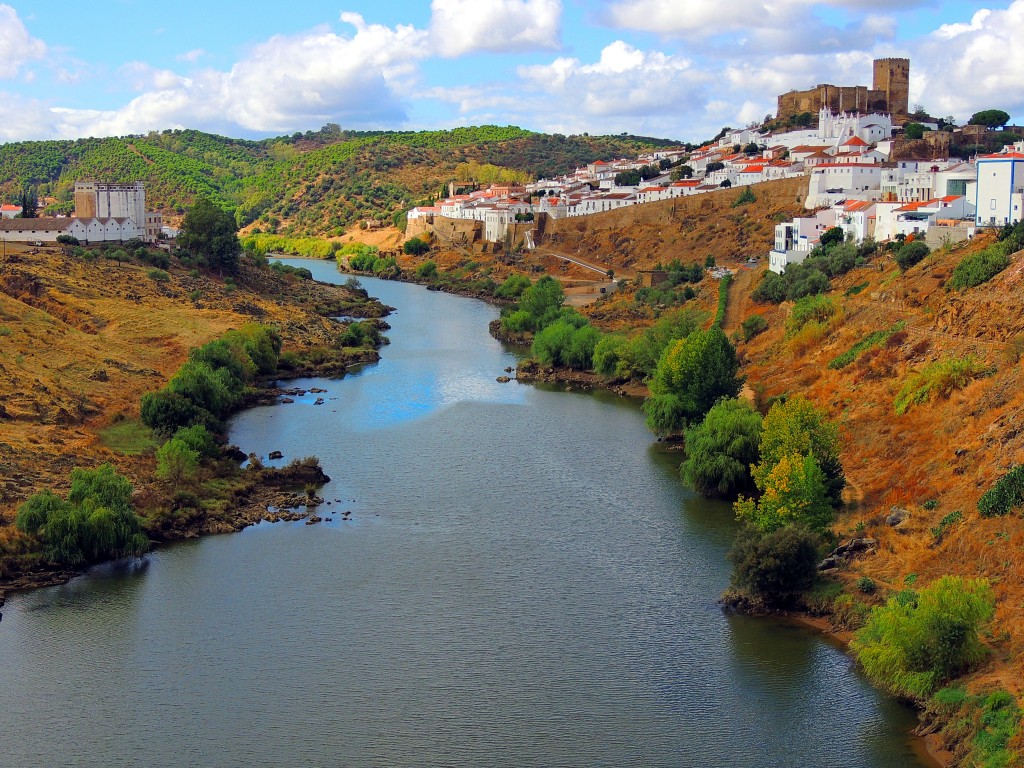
(313,183)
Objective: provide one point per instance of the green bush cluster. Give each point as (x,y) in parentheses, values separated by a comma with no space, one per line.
(938,380)
(513,287)
(309,247)
(831,258)
(96,521)
(361,333)
(415,247)
(287,269)
(982,727)
(539,305)
(636,357)
(919,640)
(1005,495)
(569,341)
(874,339)
(426,270)
(981,267)
(212,382)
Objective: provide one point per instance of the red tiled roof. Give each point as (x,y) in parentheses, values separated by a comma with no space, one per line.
(855,141)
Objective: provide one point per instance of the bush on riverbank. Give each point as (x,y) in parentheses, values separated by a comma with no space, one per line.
(919,640)
(981,730)
(96,522)
(774,567)
(213,381)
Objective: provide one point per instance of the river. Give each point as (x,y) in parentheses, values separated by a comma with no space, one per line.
(523,582)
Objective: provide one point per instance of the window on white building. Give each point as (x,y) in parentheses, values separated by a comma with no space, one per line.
(992,204)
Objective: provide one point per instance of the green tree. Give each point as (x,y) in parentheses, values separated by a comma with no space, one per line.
(691,375)
(721,450)
(210,232)
(682,172)
(543,301)
(990,118)
(793,492)
(176,463)
(776,566)
(796,427)
(29,203)
(916,642)
(832,236)
(914,131)
(198,439)
(415,247)
(216,391)
(102,487)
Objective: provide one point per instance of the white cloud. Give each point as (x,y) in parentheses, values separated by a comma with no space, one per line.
(191,56)
(767,26)
(974,66)
(17,46)
(283,84)
(458,27)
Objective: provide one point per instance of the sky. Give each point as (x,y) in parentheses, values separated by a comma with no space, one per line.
(678,69)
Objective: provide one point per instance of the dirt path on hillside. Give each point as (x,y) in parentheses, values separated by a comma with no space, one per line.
(739,298)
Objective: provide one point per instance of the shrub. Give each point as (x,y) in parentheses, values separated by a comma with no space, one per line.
(513,287)
(158,275)
(415,247)
(95,522)
(165,412)
(754,325)
(723,300)
(980,267)
(909,254)
(938,380)
(866,585)
(216,391)
(567,344)
(607,354)
(198,438)
(916,642)
(778,566)
(176,462)
(721,450)
(1007,493)
(875,339)
(819,309)
(426,270)
(745,197)
(67,240)
(796,427)
(947,522)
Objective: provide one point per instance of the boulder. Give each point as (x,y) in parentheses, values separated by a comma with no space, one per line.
(275,455)
(896,516)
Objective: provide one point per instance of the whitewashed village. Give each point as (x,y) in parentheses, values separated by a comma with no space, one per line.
(852,180)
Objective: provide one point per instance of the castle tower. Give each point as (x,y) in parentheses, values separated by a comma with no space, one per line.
(892,77)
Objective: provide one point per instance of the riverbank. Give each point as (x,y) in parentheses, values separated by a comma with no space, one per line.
(85,340)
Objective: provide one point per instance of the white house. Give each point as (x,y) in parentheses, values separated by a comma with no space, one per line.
(857,220)
(831,183)
(9,211)
(794,240)
(1000,191)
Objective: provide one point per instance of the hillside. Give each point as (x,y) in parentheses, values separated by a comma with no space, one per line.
(82,341)
(307,184)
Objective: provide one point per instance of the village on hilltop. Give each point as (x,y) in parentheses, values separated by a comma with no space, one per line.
(859,178)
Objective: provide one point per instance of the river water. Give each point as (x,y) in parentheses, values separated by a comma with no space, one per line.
(523,582)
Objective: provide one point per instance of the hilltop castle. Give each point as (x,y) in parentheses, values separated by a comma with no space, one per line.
(889,94)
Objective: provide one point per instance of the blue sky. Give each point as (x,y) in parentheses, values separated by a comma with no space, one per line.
(674,68)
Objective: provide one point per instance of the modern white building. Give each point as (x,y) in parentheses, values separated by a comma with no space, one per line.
(829,184)
(794,240)
(1000,190)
